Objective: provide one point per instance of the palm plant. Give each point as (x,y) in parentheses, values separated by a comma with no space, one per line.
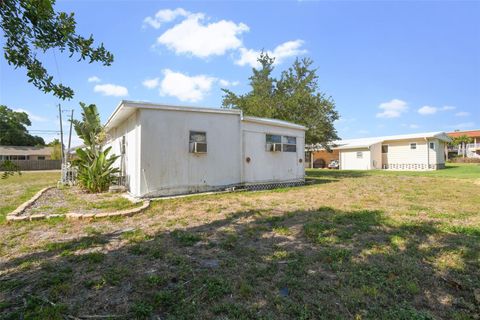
(96,169)
(462,141)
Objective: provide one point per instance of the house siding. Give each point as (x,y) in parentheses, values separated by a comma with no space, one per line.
(167,165)
(270,167)
(131,130)
(401,157)
(349,160)
(376,156)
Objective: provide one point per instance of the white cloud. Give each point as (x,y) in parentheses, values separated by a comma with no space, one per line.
(226,83)
(184,87)
(164,16)
(109,89)
(462,114)
(202,39)
(151,83)
(427,110)
(280,53)
(363,131)
(32,116)
(392,109)
(448,108)
(93,79)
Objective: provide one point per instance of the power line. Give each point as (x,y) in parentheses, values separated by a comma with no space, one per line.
(56,65)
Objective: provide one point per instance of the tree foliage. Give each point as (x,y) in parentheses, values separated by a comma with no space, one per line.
(461,141)
(90,128)
(96,169)
(9,168)
(13,129)
(294,97)
(56,153)
(31,27)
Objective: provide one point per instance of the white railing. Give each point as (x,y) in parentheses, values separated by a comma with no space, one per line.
(473,146)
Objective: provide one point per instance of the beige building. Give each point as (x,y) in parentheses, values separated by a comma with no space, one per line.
(25,153)
(420,151)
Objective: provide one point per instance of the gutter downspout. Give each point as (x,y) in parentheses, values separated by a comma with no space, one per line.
(428,154)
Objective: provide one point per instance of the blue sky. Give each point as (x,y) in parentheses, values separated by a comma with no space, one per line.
(391,67)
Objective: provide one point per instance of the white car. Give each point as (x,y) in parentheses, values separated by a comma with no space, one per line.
(334,164)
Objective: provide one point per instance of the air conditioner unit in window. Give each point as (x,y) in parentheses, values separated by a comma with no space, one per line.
(198,147)
(276,147)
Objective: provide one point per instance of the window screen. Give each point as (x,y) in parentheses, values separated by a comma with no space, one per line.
(289,144)
(432,145)
(385,148)
(413,146)
(359,155)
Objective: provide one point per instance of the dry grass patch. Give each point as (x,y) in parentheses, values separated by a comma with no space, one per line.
(353,245)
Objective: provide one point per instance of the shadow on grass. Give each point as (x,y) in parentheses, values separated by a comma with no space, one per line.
(323,263)
(334,174)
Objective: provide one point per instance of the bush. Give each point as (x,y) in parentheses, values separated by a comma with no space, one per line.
(464,160)
(9,169)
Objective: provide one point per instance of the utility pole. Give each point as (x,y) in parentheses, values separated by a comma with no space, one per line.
(61,132)
(69,137)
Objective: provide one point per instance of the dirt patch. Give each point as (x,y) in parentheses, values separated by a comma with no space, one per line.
(61,201)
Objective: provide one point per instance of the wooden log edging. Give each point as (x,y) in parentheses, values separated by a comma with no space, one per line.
(15,215)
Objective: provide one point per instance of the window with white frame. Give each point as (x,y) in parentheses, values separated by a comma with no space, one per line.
(289,144)
(432,145)
(198,142)
(384,148)
(413,145)
(273,142)
(359,155)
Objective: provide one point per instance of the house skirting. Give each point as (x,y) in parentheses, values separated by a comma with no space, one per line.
(273,185)
(231,187)
(413,166)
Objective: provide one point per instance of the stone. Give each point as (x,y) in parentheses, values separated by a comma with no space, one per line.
(210,263)
(284,292)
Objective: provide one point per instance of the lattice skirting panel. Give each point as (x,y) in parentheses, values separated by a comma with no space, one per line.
(413,166)
(273,185)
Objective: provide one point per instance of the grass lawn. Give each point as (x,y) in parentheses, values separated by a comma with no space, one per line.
(19,188)
(352,245)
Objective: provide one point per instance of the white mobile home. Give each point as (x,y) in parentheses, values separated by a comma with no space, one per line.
(420,151)
(168,150)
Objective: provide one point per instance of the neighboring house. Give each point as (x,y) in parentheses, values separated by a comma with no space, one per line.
(25,153)
(420,151)
(29,158)
(472,150)
(167,150)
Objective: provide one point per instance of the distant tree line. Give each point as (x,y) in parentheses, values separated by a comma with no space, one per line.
(13,129)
